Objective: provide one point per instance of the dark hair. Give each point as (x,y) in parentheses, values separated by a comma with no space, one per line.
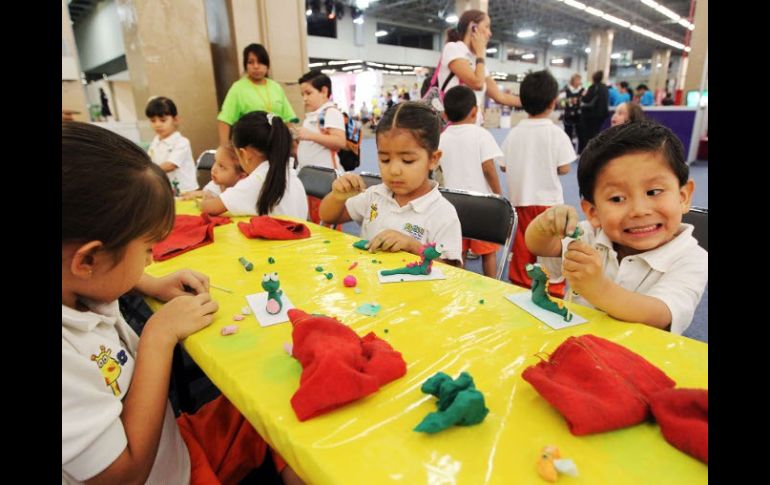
(597,77)
(457,33)
(160,106)
(637,137)
(229,151)
(419,118)
(458,103)
(259,51)
(537,92)
(111,190)
(624,85)
(318,80)
(642,86)
(635,112)
(267,134)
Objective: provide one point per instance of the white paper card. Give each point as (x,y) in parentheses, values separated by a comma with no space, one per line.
(435,274)
(258,301)
(553,320)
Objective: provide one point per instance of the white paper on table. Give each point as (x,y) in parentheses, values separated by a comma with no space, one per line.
(258,301)
(435,274)
(553,320)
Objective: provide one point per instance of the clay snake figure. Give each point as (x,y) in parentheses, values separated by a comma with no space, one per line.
(423,267)
(540,296)
(271,284)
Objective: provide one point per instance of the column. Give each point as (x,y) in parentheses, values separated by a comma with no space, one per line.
(659,71)
(73,97)
(696,77)
(463,5)
(600,43)
(168,54)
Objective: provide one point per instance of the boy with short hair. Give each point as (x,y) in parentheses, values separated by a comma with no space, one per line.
(536,153)
(636,260)
(468,154)
(169,149)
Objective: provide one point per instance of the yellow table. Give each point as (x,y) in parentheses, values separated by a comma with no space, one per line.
(437,326)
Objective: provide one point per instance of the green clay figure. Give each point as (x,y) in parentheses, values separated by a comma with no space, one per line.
(423,267)
(540,296)
(271,284)
(459,403)
(361,244)
(175,184)
(576,234)
(247,265)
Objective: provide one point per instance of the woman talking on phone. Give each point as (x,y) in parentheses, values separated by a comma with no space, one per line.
(463,61)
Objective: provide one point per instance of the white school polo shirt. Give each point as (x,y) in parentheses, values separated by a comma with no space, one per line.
(312,153)
(675,273)
(175,149)
(241,198)
(458,50)
(98,359)
(430,218)
(213,187)
(464,148)
(532,151)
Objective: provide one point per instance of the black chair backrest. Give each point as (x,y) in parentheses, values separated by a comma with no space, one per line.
(371,178)
(317,180)
(204,163)
(699,217)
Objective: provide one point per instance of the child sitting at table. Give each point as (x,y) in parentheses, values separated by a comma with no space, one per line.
(169,149)
(406,210)
(225,172)
(263,145)
(117,422)
(636,260)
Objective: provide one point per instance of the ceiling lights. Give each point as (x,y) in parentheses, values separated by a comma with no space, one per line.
(560,42)
(381,33)
(451,19)
(526,33)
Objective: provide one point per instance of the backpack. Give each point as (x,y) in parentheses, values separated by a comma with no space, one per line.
(350,156)
(434,97)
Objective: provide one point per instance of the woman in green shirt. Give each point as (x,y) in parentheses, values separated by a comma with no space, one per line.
(253,92)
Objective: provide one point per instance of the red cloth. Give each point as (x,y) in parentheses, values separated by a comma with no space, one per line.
(683,416)
(189,232)
(271,228)
(338,366)
(597,385)
(517,272)
(223,446)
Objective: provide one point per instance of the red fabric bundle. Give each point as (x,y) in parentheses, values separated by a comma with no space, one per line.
(271,228)
(189,232)
(597,385)
(338,365)
(683,416)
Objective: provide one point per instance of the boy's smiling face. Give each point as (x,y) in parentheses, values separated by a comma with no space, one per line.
(638,202)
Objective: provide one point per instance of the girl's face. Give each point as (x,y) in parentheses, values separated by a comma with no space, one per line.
(312,97)
(226,170)
(256,70)
(404,164)
(485,29)
(621,115)
(110,280)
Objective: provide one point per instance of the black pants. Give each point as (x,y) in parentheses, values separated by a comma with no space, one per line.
(571,129)
(587,129)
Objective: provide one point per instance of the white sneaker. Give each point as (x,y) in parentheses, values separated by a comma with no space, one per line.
(472,255)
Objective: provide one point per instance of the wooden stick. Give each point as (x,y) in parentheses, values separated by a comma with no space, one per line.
(220,288)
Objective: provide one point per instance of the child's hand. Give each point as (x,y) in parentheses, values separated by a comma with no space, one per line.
(347,186)
(392,241)
(174,285)
(582,267)
(193,194)
(558,221)
(302,133)
(185,315)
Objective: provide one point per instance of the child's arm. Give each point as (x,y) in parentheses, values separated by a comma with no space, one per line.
(545,232)
(212,204)
(584,273)
(145,404)
(562,169)
(490,173)
(332,209)
(331,138)
(193,194)
(170,286)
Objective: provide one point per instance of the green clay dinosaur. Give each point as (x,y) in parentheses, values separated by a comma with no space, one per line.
(361,244)
(423,267)
(540,296)
(271,284)
(459,403)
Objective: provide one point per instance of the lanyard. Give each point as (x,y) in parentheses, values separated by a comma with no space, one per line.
(265,99)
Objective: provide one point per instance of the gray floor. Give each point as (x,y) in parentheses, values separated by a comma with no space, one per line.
(698,172)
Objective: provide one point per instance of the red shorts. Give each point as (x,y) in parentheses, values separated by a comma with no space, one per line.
(479,247)
(223,445)
(313,206)
(521,255)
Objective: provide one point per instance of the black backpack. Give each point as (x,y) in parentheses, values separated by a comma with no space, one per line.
(350,156)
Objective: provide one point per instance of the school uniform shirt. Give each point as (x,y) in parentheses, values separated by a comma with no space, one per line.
(175,149)
(241,198)
(676,272)
(532,151)
(312,153)
(464,148)
(458,50)
(429,218)
(213,187)
(98,359)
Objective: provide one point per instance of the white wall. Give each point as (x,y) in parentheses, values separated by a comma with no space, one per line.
(99,36)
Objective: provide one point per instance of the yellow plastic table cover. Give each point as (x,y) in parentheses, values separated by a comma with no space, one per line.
(462,323)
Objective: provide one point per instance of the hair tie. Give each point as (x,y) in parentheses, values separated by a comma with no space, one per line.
(270,119)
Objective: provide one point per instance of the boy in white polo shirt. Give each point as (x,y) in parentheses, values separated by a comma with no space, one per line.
(467,161)
(536,153)
(406,211)
(169,148)
(635,260)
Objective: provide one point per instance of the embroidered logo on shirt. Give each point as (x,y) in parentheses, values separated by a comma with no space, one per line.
(109,367)
(373,212)
(414,230)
